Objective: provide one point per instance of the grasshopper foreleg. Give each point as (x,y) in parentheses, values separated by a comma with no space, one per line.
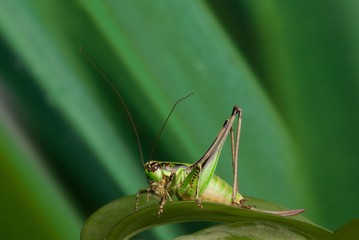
(147,190)
(164,192)
(162,204)
(159,188)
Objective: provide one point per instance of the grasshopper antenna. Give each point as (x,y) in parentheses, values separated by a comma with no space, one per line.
(119,96)
(165,123)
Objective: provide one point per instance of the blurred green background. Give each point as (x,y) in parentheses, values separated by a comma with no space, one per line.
(67,147)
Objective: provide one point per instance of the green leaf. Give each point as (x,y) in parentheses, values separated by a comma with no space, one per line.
(246,230)
(116,220)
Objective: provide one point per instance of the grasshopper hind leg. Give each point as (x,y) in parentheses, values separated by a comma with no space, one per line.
(235,150)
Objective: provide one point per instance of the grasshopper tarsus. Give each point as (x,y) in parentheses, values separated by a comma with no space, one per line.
(241,204)
(199,203)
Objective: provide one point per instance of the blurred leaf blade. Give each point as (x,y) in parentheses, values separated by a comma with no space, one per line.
(30,194)
(313,83)
(68,91)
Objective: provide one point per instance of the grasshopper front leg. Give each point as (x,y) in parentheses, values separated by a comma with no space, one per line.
(157,189)
(164,193)
(161,188)
(141,191)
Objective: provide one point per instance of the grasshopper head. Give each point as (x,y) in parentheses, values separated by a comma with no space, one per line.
(153,170)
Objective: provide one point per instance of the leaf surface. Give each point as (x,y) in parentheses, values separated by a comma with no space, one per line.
(116,220)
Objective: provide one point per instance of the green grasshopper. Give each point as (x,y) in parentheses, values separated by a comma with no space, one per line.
(193,181)
(197,181)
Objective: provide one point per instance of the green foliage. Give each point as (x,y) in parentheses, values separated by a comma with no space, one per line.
(117,220)
(66,145)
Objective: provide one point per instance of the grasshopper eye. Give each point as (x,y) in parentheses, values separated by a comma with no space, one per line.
(153,172)
(155,167)
(152,167)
